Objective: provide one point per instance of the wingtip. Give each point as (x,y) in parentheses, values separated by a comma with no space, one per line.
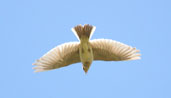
(36,69)
(135,58)
(33,63)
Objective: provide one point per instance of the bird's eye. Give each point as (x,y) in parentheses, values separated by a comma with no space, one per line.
(86,64)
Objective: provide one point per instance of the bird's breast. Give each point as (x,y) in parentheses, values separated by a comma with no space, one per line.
(86,53)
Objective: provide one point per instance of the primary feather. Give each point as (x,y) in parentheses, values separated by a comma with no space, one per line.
(59,56)
(110,50)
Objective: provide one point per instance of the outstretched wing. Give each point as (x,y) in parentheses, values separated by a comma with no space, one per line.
(110,50)
(60,56)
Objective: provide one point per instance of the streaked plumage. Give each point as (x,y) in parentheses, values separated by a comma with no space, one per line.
(85,51)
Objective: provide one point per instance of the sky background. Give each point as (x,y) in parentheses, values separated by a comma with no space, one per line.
(30,28)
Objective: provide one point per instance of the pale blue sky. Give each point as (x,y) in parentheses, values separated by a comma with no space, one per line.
(30,28)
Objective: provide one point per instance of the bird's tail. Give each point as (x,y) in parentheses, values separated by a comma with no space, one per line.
(82,31)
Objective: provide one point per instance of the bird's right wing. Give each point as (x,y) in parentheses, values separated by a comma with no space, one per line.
(110,50)
(60,56)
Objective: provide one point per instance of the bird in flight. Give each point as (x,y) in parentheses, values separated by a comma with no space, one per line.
(85,51)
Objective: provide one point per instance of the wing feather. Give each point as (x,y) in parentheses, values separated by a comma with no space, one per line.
(110,50)
(60,56)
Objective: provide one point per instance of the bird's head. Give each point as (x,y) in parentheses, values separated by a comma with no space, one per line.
(86,66)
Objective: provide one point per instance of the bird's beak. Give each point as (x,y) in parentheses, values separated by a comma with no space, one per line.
(85,70)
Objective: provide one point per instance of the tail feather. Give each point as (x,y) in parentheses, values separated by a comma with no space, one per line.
(86,30)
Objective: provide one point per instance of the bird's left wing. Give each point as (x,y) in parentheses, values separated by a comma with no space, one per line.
(110,50)
(60,56)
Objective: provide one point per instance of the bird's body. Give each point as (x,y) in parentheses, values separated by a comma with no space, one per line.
(86,51)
